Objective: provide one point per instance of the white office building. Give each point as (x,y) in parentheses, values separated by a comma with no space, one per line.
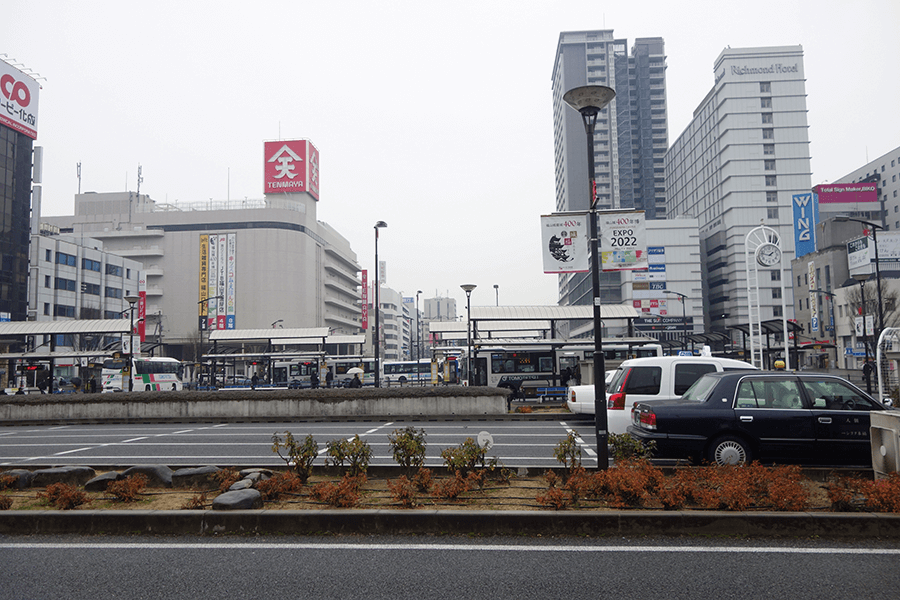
(736,166)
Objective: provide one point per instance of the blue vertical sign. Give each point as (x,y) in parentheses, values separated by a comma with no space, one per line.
(806,216)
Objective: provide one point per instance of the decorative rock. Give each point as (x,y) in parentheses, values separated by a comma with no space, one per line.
(243,484)
(157,475)
(71,475)
(100,482)
(199,477)
(23,477)
(266,473)
(238,500)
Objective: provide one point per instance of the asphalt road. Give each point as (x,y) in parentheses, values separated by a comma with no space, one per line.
(516,443)
(77,567)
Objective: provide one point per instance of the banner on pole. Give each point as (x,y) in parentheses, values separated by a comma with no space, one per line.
(623,240)
(564,240)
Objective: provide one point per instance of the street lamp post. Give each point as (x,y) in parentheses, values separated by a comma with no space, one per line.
(418,328)
(131,300)
(468,287)
(497,293)
(589,100)
(376,335)
(205,326)
(861,280)
(831,315)
(681,297)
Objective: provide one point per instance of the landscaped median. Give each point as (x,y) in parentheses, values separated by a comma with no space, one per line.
(253,404)
(469,494)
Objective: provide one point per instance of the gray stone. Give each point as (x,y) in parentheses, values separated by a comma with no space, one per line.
(198,478)
(157,475)
(265,473)
(71,475)
(242,484)
(238,500)
(100,482)
(23,477)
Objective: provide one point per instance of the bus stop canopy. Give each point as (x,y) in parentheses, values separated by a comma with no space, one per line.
(282,336)
(20,328)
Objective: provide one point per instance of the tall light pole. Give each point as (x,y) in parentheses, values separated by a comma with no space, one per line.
(683,320)
(418,327)
(131,300)
(497,293)
(861,280)
(376,335)
(468,287)
(831,315)
(589,100)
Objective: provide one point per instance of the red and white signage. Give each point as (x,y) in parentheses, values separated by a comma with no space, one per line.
(365,299)
(18,100)
(832,193)
(142,308)
(292,167)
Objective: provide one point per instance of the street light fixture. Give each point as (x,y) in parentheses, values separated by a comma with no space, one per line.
(497,293)
(376,335)
(131,300)
(681,297)
(589,100)
(468,287)
(861,280)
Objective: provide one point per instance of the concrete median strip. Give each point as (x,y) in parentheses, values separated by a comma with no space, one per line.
(452,522)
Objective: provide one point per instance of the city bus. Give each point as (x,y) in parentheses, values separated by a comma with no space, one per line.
(403,372)
(297,372)
(156,374)
(527,367)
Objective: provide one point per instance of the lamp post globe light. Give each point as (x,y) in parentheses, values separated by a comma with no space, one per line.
(468,287)
(131,300)
(376,335)
(589,100)
(681,297)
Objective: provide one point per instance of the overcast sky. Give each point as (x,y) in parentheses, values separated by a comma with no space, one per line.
(435,117)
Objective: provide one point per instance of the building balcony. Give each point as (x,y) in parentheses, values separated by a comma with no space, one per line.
(140,252)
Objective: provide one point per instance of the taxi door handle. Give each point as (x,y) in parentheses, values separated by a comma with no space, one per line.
(825,420)
(746,419)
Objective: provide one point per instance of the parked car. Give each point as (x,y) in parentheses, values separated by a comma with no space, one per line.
(651,378)
(734,418)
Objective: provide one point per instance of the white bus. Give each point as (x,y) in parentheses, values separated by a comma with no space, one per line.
(148,373)
(297,372)
(403,372)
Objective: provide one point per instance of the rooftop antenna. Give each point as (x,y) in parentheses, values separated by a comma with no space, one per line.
(78,171)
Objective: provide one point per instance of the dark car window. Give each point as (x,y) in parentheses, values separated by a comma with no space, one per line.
(830,394)
(701,389)
(643,380)
(687,373)
(762,393)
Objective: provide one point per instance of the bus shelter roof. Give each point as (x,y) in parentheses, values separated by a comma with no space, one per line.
(548,313)
(69,326)
(770,326)
(304,335)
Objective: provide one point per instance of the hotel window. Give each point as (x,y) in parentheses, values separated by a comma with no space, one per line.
(771,196)
(776,311)
(767,118)
(47,255)
(770,165)
(776,293)
(46,308)
(769,149)
(765,87)
(765,102)
(772,213)
(771,180)
(776,275)
(768,134)
(46,281)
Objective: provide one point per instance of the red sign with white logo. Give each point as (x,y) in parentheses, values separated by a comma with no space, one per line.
(365,299)
(18,100)
(291,167)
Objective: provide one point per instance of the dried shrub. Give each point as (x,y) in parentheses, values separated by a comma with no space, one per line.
(356,452)
(63,496)
(343,494)
(8,482)
(279,485)
(735,487)
(298,456)
(197,502)
(5,502)
(625,447)
(556,498)
(423,479)
(226,478)
(451,488)
(408,447)
(631,483)
(883,495)
(568,452)
(403,491)
(129,488)
(466,457)
(552,479)
(524,409)
(854,494)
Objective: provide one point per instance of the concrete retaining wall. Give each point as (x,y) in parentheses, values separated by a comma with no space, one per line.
(247,404)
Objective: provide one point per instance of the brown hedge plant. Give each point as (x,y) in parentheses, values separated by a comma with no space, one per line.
(63,496)
(128,489)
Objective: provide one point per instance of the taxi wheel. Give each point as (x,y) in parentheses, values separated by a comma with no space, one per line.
(729,450)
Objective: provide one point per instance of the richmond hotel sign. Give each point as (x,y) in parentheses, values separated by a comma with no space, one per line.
(774,69)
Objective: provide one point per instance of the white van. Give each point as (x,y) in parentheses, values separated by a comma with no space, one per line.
(653,378)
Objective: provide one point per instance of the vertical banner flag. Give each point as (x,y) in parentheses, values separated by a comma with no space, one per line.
(220,281)
(813,297)
(365,299)
(213,282)
(142,306)
(565,241)
(623,240)
(806,216)
(204,281)
(230,291)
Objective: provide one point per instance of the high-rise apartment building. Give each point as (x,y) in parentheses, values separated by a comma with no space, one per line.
(630,136)
(736,166)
